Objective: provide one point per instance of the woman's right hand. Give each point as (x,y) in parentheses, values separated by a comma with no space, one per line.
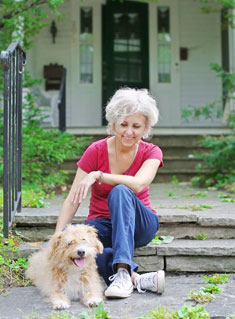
(80,190)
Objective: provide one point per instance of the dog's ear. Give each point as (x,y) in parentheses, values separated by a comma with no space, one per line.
(54,243)
(98,245)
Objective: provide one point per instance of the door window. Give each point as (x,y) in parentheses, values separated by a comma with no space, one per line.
(86,45)
(127,47)
(164,44)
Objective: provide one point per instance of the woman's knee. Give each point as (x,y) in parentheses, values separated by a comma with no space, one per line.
(119,190)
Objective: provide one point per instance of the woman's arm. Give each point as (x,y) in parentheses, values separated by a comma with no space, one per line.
(137,183)
(70,207)
(83,181)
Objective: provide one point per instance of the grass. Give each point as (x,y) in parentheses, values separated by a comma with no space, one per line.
(201,236)
(199,207)
(226,198)
(207,293)
(200,296)
(158,313)
(216,279)
(212,289)
(98,312)
(11,269)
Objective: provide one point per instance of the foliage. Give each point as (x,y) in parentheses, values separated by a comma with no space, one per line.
(216,279)
(95,313)
(22,20)
(43,150)
(174,180)
(206,294)
(190,312)
(208,6)
(200,296)
(11,269)
(201,236)
(218,162)
(32,196)
(157,240)
(212,289)
(227,198)
(194,207)
(158,313)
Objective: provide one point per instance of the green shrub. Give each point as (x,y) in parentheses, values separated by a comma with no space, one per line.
(11,269)
(43,150)
(218,161)
(217,167)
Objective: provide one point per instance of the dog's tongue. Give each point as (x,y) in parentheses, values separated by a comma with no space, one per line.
(79,262)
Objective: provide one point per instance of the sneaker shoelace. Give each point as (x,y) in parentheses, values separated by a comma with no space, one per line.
(118,279)
(143,283)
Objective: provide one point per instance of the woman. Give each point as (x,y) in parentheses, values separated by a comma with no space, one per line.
(119,170)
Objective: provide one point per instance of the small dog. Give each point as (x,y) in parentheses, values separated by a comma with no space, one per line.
(66,269)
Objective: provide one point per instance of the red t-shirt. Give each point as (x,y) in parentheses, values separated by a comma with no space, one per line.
(95,158)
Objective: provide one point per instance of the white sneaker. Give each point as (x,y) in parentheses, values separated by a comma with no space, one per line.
(121,287)
(153,281)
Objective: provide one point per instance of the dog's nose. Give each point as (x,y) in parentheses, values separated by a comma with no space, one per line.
(81,253)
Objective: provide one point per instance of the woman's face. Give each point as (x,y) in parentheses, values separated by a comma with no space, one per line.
(131,129)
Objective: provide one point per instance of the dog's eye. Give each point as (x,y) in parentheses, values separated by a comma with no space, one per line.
(70,242)
(83,238)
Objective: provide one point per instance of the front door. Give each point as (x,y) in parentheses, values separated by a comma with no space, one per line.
(125,47)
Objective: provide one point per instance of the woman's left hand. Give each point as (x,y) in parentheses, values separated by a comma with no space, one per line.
(82,188)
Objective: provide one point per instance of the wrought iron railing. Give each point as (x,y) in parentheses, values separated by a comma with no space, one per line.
(13,61)
(62,102)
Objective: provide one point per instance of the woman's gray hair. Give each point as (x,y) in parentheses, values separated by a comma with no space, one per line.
(127,101)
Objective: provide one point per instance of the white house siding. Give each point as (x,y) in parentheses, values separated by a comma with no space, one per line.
(45,52)
(200,33)
(86,98)
(197,84)
(83,100)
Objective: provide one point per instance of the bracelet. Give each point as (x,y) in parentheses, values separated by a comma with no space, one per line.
(101,178)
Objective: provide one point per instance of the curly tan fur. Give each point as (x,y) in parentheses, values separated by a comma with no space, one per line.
(56,273)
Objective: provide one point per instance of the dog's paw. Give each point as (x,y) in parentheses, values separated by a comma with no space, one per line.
(60,305)
(93,301)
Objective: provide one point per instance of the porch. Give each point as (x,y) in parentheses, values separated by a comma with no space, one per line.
(165,46)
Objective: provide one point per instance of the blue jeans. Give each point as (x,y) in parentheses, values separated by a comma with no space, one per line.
(132,225)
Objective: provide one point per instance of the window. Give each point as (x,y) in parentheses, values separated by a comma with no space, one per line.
(164,44)
(86,45)
(127,47)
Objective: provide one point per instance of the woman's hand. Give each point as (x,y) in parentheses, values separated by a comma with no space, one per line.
(80,192)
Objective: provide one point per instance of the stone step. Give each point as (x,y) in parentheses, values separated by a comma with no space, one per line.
(178,256)
(178,150)
(179,223)
(172,140)
(189,256)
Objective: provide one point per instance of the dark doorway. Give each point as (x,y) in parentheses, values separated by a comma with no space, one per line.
(125,47)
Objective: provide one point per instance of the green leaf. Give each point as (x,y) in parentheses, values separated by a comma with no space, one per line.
(162,240)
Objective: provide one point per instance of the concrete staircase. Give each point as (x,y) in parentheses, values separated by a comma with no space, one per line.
(179,159)
(181,216)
